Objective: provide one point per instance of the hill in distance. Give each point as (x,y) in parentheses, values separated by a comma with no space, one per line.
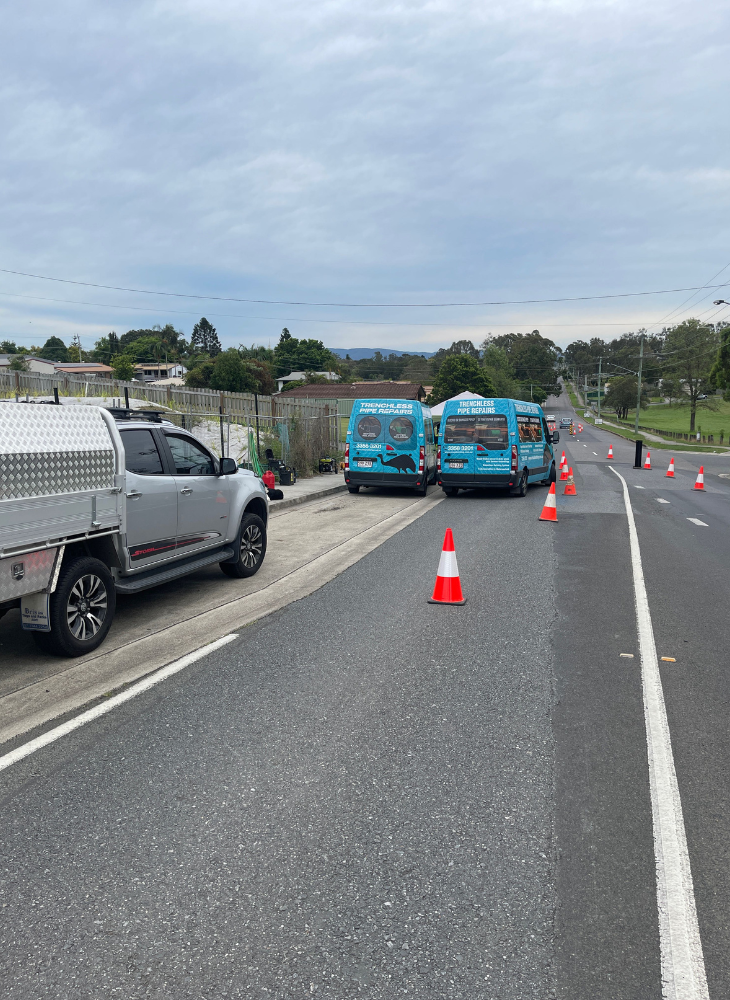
(358,353)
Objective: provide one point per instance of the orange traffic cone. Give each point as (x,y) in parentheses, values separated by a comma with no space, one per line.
(700,481)
(549,510)
(610,451)
(448,586)
(563,460)
(564,473)
(569,490)
(647,463)
(670,470)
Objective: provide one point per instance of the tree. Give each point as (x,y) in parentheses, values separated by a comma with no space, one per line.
(231,374)
(533,359)
(54,349)
(501,373)
(720,371)
(199,377)
(460,373)
(262,374)
(621,396)
(8,347)
(291,354)
(294,384)
(105,348)
(205,339)
(18,364)
(123,367)
(691,349)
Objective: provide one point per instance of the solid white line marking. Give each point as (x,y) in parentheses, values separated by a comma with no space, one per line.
(107,706)
(682,961)
(696,520)
(662,500)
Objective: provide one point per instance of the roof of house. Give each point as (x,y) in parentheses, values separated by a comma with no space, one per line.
(83,367)
(5,359)
(357,390)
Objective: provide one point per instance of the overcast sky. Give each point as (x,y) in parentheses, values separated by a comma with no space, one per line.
(362,152)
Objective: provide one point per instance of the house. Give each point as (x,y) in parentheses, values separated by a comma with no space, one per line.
(357,390)
(39,365)
(300,377)
(84,369)
(152,371)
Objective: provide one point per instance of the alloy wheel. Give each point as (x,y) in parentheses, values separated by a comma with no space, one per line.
(86,607)
(251,546)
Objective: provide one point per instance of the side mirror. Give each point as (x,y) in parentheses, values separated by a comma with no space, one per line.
(228,467)
(556,437)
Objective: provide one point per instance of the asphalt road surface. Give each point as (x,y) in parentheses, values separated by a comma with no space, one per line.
(368,795)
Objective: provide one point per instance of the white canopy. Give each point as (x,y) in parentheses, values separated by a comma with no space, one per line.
(437,411)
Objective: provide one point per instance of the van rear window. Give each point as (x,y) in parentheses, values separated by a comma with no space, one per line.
(489,430)
(368,428)
(401,429)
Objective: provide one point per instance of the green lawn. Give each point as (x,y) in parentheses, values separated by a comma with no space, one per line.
(676,418)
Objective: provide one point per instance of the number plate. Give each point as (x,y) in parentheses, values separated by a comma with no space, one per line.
(364,465)
(456,465)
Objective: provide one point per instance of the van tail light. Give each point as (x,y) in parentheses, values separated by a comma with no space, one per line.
(421,459)
(438,459)
(514,459)
(347,457)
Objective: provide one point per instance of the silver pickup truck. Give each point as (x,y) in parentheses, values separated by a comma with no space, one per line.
(97,502)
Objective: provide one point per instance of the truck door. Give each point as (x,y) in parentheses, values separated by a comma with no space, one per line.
(202,496)
(151,501)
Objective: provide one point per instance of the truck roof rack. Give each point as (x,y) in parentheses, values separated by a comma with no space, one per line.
(127,413)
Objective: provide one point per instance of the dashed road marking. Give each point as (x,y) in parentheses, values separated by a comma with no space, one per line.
(661,500)
(639,487)
(596,454)
(668,659)
(682,962)
(696,520)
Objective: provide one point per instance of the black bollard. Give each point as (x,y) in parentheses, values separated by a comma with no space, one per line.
(637,456)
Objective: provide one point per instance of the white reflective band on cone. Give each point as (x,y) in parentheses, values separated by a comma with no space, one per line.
(550,500)
(447,565)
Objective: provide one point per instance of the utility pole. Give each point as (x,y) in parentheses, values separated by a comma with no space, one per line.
(638,388)
(599,387)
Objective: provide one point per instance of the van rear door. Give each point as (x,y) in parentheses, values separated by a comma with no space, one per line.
(475,444)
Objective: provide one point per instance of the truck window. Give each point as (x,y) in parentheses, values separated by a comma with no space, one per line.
(368,428)
(401,429)
(530,429)
(140,453)
(190,459)
(488,429)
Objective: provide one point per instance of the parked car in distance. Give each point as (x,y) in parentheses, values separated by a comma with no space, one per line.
(566,421)
(97,502)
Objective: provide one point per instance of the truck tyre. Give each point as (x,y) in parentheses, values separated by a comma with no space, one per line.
(353,489)
(521,489)
(80,610)
(250,548)
(450,491)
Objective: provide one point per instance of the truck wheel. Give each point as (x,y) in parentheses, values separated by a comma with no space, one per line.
(81,609)
(353,489)
(521,488)
(250,548)
(551,477)
(450,491)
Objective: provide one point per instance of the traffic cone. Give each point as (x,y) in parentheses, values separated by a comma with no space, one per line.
(549,510)
(448,586)
(569,490)
(700,481)
(670,470)
(563,460)
(564,473)
(610,451)
(647,463)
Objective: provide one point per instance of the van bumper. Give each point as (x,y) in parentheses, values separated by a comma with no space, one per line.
(357,478)
(476,482)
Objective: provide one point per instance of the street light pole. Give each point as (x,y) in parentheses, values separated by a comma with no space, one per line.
(599,387)
(638,390)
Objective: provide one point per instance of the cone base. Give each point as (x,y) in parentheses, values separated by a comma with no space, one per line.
(548,517)
(570,491)
(432,600)
(700,489)
(670,475)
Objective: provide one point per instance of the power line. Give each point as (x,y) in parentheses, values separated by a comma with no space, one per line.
(365,305)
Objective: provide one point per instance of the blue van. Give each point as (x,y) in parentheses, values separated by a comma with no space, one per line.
(390,442)
(494,442)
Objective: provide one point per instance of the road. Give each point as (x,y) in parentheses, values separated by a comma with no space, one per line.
(364,794)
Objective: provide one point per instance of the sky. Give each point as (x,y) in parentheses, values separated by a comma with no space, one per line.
(386,157)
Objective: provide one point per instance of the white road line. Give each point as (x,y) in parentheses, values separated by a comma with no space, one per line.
(585,446)
(107,706)
(696,520)
(662,500)
(682,961)
(596,454)
(639,487)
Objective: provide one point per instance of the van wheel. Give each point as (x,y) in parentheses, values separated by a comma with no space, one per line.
(422,490)
(250,547)
(80,610)
(450,491)
(353,489)
(521,488)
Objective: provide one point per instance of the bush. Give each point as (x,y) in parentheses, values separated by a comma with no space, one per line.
(123,367)
(231,374)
